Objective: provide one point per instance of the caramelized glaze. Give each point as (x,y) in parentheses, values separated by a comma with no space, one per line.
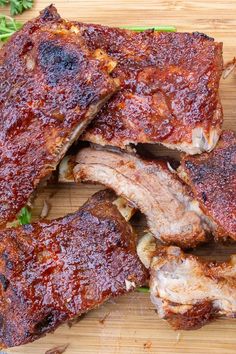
(169,86)
(52,271)
(51,86)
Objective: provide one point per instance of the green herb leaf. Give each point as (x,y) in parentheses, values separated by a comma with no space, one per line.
(3,2)
(8,26)
(143,289)
(17,6)
(24,216)
(27,4)
(155,28)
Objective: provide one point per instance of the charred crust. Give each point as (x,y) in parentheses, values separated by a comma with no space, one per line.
(212,177)
(203,36)
(1,327)
(4,281)
(70,266)
(204,197)
(195,318)
(50,14)
(54,86)
(44,324)
(150,82)
(9,264)
(57,62)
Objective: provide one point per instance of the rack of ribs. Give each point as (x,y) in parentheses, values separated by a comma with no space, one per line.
(51,87)
(173,216)
(54,271)
(187,291)
(212,178)
(169,89)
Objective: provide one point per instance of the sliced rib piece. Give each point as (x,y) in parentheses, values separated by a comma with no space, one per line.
(169,89)
(52,271)
(51,87)
(186,290)
(212,178)
(172,215)
(66,175)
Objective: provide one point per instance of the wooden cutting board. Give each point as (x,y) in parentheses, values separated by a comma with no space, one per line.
(129,325)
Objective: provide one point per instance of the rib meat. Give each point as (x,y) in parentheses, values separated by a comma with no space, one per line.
(172,215)
(51,87)
(169,89)
(186,290)
(52,271)
(212,178)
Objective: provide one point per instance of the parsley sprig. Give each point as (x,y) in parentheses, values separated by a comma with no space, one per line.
(24,216)
(143,289)
(8,26)
(17,6)
(155,28)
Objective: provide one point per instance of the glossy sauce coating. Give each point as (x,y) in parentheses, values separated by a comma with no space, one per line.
(169,86)
(55,270)
(50,87)
(212,178)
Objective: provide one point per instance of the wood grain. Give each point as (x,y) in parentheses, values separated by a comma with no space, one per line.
(130,324)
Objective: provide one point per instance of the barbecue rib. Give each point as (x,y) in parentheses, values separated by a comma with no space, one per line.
(52,271)
(51,86)
(186,290)
(169,89)
(172,215)
(212,178)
